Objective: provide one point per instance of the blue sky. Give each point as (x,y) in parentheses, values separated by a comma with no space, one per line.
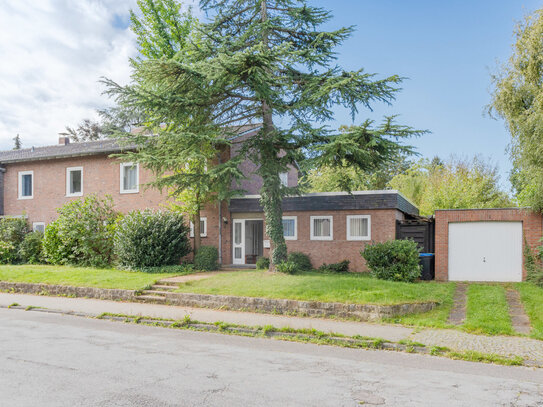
(448,50)
(55,51)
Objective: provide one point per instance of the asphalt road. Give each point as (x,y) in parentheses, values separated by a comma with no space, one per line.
(60,360)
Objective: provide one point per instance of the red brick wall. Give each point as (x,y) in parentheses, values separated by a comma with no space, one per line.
(383,227)
(532,229)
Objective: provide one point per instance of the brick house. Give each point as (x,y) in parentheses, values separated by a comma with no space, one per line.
(329,227)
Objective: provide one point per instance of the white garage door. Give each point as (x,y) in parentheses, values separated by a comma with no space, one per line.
(485,251)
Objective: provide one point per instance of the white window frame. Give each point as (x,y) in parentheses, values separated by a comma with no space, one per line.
(34,224)
(202,234)
(349,237)
(312,226)
(295,218)
(283,176)
(20,191)
(129,191)
(68,171)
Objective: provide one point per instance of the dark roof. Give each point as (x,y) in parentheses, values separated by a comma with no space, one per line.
(107,146)
(331,201)
(60,151)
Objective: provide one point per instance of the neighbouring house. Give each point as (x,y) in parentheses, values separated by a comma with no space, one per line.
(329,227)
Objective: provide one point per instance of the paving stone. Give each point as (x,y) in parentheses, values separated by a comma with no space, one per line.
(458,311)
(519,319)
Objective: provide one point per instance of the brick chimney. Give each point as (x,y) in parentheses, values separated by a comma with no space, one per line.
(63,140)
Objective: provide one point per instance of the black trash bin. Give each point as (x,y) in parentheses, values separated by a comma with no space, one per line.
(427,262)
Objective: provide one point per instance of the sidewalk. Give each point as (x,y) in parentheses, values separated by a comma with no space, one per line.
(527,348)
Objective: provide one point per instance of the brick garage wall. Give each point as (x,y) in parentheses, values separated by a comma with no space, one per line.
(532,230)
(383,227)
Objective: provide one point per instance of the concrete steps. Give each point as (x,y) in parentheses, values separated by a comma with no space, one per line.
(156,299)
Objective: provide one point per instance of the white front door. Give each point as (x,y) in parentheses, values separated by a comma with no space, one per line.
(485,251)
(239,241)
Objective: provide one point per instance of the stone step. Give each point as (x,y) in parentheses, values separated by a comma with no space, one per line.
(159,287)
(168,283)
(150,298)
(158,293)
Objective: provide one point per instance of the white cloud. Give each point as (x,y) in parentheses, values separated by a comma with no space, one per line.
(53,53)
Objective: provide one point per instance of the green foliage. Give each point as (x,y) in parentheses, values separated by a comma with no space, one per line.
(532,264)
(13,230)
(302,261)
(151,239)
(263,263)
(83,233)
(394,260)
(253,61)
(341,267)
(455,184)
(31,248)
(518,99)
(206,258)
(287,267)
(8,252)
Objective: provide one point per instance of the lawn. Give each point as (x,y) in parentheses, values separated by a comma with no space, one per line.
(80,276)
(532,299)
(487,311)
(356,288)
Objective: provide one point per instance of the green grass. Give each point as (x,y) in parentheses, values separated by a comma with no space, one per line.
(80,276)
(532,299)
(487,310)
(437,318)
(346,288)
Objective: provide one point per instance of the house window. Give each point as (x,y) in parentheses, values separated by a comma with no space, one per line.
(129,178)
(26,184)
(322,227)
(38,226)
(203,228)
(283,176)
(358,227)
(74,181)
(290,229)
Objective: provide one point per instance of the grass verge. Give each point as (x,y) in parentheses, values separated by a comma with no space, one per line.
(355,288)
(487,310)
(532,299)
(81,276)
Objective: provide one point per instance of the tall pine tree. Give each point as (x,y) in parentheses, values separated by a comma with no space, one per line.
(267,61)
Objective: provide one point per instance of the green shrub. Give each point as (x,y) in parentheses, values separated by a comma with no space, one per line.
(206,258)
(395,260)
(151,239)
(8,252)
(341,267)
(263,263)
(83,233)
(532,264)
(287,267)
(31,248)
(301,260)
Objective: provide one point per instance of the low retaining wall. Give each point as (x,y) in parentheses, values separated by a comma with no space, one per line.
(363,312)
(69,291)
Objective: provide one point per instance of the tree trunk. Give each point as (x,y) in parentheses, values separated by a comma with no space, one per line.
(196,223)
(271,198)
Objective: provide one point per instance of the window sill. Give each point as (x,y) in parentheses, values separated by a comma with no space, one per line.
(25,197)
(322,238)
(73,195)
(358,239)
(136,191)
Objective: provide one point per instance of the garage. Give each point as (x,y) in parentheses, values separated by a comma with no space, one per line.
(484,244)
(485,251)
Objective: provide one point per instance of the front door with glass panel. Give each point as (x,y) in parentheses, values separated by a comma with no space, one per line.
(239,241)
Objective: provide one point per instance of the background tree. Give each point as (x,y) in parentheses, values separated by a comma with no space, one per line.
(453,184)
(184,151)
(17,142)
(518,99)
(267,61)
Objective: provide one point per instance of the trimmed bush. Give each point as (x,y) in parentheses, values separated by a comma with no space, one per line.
(301,260)
(263,263)
(206,258)
(287,267)
(151,239)
(31,248)
(341,267)
(12,234)
(394,260)
(83,233)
